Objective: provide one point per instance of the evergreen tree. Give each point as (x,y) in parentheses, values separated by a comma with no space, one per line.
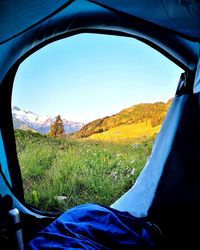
(56,128)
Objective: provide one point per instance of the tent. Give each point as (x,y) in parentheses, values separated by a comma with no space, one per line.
(168,189)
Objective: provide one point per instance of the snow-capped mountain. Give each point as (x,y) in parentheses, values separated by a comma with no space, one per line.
(24,119)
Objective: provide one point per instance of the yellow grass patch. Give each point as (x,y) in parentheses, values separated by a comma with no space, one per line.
(127,132)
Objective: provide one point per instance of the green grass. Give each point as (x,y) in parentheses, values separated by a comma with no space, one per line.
(81,170)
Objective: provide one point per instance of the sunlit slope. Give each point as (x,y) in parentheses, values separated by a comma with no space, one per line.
(139,120)
(127,132)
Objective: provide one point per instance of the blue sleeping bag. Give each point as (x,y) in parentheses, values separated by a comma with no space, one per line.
(96,227)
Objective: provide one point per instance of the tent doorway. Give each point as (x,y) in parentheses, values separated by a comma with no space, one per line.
(98,84)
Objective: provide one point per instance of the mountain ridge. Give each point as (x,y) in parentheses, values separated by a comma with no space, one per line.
(151,115)
(28,120)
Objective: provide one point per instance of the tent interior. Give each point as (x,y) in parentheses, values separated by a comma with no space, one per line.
(167,191)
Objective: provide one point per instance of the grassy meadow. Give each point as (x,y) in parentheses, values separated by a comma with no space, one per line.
(61,173)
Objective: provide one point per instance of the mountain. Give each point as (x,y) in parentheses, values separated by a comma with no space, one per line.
(27,120)
(18,124)
(146,115)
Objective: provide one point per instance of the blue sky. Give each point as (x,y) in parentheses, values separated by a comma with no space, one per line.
(90,76)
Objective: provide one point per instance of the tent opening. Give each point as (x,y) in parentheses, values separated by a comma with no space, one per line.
(86,110)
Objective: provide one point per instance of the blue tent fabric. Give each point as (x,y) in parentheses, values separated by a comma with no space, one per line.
(180,16)
(93,226)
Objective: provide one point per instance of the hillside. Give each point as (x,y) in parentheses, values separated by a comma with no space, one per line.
(146,116)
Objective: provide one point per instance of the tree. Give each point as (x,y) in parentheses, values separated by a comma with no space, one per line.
(56,128)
